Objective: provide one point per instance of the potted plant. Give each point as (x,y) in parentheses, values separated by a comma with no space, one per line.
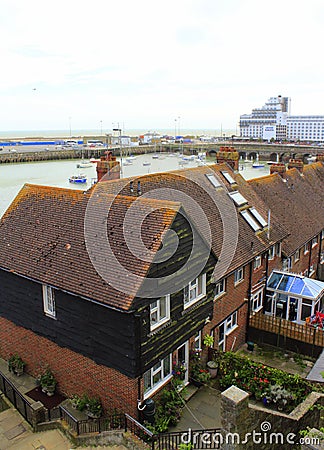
(16,364)
(208,340)
(47,382)
(94,408)
(212,368)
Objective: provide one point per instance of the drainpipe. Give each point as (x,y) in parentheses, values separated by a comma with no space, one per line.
(310,257)
(249,300)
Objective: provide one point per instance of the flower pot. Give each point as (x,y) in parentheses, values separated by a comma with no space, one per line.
(212,368)
(18,371)
(50,390)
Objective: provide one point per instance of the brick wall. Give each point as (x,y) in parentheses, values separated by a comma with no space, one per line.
(75,373)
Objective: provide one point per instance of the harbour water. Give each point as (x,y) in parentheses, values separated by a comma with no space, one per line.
(57,173)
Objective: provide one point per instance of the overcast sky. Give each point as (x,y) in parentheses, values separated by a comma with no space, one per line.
(92,64)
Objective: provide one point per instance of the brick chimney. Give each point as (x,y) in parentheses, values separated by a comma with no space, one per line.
(278,168)
(297,163)
(228,155)
(108,167)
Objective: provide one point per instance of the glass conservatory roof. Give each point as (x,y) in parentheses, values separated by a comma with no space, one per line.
(294,284)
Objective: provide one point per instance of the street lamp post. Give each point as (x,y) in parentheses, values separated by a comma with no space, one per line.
(121,150)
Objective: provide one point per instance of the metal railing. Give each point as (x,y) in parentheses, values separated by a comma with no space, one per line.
(199,439)
(16,398)
(85,426)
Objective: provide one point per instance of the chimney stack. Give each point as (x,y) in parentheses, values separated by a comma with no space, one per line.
(278,168)
(108,167)
(297,163)
(228,155)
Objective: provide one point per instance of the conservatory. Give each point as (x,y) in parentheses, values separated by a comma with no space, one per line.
(293,297)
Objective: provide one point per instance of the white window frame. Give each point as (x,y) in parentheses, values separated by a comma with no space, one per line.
(159,367)
(197,342)
(157,309)
(257,301)
(230,323)
(297,256)
(278,249)
(314,242)
(190,288)
(257,263)
(220,288)
(311,270)
(49,301)
(306,248)
(238,276)
(271,253)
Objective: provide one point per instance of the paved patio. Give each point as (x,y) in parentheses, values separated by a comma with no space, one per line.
(318,369)
(202,411)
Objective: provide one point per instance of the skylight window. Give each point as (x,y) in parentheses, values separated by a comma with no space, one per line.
(249,219)
(213,180)
(258,217)
(238,198)
(228,177)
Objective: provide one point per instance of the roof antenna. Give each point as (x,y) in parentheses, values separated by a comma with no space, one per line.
(139,192)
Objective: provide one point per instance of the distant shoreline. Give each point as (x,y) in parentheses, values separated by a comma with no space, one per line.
(20,134)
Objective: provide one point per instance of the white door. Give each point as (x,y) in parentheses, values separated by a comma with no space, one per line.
(183,358)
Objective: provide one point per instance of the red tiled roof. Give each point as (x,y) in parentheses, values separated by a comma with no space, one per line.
(42,237)
(296,201)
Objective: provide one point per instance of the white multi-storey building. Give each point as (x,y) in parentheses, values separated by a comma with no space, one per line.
(273,121)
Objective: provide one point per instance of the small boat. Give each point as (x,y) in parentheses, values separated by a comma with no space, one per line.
(155,156)
(271,162)
(129,161)
(257,165)
(94,160)
(311,159)
(78,179)
(146,163)
(84,164)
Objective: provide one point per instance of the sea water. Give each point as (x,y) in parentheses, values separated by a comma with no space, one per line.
(57,173)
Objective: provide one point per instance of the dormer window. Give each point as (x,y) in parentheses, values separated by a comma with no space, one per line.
(195,290)
(49,301)
(159,312)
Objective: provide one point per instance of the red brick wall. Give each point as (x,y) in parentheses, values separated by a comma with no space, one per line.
(75,373)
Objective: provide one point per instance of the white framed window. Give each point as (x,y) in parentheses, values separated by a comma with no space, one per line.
(286,264)
(311,270)
(257,262)
(272,252)
(306,249)
(314,242)
(238,275)
(158,375)
(197,342)
(257,301)
(48,301)
(159,312)
(297,256)
(231,323)
(322,257)
(195,290)
(278,249)
(220,288)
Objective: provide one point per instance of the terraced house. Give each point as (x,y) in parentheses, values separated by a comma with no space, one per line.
(192,251)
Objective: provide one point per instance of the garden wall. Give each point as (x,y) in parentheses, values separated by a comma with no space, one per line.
(271,429)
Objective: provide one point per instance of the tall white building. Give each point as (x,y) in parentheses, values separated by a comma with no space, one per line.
(273,121)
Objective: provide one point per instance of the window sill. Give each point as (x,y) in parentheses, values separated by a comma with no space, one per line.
(157,325)
(51,316)
(231,330)
(194,302)
(238,282)
(157,387)
(217,297)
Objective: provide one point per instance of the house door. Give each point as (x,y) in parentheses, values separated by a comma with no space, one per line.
(182,357)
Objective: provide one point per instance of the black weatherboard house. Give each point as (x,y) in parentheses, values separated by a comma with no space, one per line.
(57,310)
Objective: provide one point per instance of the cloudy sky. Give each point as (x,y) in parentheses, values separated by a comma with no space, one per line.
(143,64)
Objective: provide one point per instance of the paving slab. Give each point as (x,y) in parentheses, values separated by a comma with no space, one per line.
(318,369)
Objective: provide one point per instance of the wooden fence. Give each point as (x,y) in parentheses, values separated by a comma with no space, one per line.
(284,330)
